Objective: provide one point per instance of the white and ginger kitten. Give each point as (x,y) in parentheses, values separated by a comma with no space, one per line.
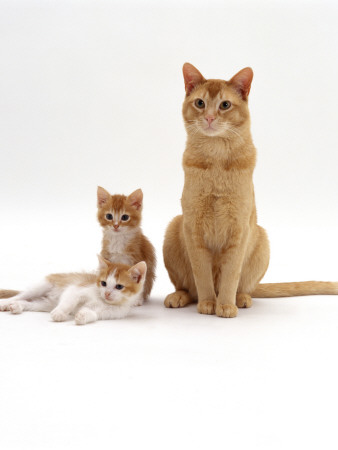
(109,294)
(123,241)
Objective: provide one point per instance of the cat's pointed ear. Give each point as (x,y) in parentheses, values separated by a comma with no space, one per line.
(103,263)
(192,77)
(102,196)
(135,199)
(241,82)
(138,272)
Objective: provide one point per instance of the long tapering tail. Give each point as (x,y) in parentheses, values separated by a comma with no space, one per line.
(271,290)
(6,293)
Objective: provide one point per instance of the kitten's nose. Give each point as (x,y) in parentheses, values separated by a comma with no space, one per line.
(209,119)
(106,295)
(116,225)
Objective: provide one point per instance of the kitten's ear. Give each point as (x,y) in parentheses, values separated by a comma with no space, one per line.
(192,77)
(135,199)
(103,263)
(242,82)
(102,196)
(138,272)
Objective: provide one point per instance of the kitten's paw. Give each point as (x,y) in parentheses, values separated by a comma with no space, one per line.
(139,302)
(178,299)
(4,305)
(206,307)
(226,310)
(243,301)
(81,318)
(15,308)
(58,315)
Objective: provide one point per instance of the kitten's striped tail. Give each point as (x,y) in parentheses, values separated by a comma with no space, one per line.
(271,290)
(6,293)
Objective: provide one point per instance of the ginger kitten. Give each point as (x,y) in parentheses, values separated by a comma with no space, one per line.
(88,297)
(123,240)
(215,253)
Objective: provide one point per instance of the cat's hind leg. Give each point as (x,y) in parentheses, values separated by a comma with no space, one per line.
(177,299)
(40,305)
(5,304)
(34,293)
(177,263)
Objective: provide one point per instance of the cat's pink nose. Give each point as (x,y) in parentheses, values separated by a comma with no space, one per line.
(209,119)
(116,225)
(106,295)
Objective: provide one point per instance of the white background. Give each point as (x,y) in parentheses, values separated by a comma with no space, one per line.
(91,94)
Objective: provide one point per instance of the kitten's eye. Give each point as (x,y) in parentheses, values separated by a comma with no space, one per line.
(199,103)
(225,105)
(119,286)
(125,217)
(109,216)
(103,283)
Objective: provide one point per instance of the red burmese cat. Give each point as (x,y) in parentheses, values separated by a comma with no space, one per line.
(123,241)
(215,253)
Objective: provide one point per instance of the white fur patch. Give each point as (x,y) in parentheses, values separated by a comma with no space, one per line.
(118,242)
(115,295)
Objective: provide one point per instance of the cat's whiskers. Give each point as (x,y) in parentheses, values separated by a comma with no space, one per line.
(193,128)
(227,127)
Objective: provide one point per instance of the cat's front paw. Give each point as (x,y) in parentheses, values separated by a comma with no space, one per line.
(178,299)
(243,301)
(81,318)
(85,315)
(226,310)
(58,315)
(15,308)
(206,307)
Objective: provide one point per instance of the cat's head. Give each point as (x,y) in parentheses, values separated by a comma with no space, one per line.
(119,212)
(216,107)
(119,283)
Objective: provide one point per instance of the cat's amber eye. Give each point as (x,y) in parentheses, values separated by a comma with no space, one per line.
(125,217)
(103,283)
(119,287)
(225,105)
(109,216)
(199,103)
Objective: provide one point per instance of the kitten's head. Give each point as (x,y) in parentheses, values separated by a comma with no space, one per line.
(215,107)
(119,283)
(118,212)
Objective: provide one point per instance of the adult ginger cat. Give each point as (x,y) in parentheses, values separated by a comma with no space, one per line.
(215,253)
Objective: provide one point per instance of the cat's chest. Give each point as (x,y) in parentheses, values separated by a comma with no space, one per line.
(213,172)
(116,245)
(216,198)
(215,187)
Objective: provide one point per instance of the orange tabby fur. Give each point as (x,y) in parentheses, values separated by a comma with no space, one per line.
(134,245)
(7,293)
(215,253)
